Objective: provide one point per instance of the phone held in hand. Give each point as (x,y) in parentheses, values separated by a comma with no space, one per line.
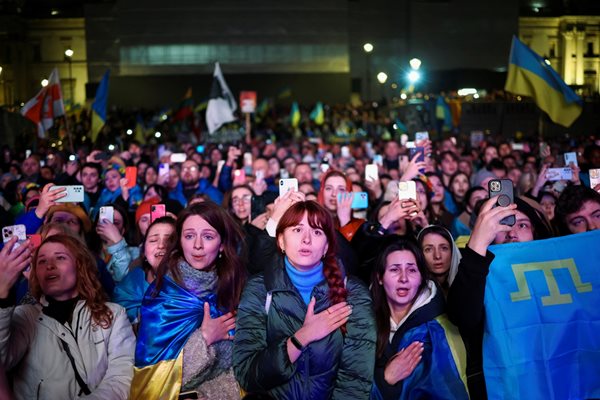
(157,211)
(74,194)
(559,174)
(106,214)
(594,177)
(407,190)
(359,201)
(371,172)
(14,230)
(285,185)
(503,190)
(131,176)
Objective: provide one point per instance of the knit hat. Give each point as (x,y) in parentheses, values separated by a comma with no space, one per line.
(71,209)
(145,208)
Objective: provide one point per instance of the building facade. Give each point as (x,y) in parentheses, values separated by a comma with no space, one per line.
(31,48)
(571,44)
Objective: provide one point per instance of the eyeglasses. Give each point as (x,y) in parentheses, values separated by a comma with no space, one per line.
(189,168)
(239,200)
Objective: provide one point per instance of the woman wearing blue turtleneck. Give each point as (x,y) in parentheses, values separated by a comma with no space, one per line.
(304,330)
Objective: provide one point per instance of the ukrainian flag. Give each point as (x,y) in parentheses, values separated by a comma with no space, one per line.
(295,115)
(318,114)
(542,325)
(99,106)
(530,75)
(167,321)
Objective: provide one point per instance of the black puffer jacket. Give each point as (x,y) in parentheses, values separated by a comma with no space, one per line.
(336,367)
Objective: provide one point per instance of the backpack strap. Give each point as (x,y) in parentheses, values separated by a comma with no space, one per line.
(84,387)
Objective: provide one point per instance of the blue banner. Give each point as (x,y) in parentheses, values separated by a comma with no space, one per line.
(542,329)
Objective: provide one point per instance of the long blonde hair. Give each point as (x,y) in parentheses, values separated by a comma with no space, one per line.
(88,286)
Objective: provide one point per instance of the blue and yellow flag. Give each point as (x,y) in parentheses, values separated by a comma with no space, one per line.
(295,115)
(99,106)
(542,329)
(530,75)
(167,321)
(443,113)
(318,114)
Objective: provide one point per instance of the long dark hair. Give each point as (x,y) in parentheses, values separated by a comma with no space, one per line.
(380,304)
(230,269)
(318,217)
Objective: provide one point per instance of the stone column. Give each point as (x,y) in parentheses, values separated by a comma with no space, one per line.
(567,56)
(580,59)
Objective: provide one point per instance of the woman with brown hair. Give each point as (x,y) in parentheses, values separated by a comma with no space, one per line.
(73,342)
(336,196)
(187,315)
(304,329)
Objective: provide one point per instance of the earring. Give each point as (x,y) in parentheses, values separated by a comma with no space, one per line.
(283,251)
(220,254)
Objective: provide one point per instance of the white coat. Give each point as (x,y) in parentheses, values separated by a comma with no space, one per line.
(31,349)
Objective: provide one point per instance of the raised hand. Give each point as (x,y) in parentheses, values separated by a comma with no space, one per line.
(48,199)
(403,363)
(12,263)
(108,232)
(261,220)
(399,209)
(123,182)
(344,207)
(488,225)
(412,169)
(216,329)
(284,202)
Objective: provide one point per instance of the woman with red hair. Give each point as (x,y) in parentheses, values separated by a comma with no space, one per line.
(336,196)
(304,329)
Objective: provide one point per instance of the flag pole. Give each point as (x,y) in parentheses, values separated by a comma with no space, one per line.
(69,134)
(248,127)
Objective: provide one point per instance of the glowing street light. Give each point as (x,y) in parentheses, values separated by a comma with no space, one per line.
(382,77)
(368,48)
(69,57)
(413,76)
(415,63)
(44,82)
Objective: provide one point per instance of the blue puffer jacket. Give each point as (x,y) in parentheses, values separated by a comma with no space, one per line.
(336,367)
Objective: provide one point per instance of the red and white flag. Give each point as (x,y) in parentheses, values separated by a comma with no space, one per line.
(46,105)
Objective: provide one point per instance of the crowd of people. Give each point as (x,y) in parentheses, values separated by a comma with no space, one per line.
(196,277)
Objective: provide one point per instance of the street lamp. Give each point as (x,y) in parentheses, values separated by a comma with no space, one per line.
(413,76)
(382,78)
(69,57)
(415,63)
(368,48)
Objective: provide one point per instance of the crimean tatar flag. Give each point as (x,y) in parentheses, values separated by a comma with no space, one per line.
(530,75)
(221,105)
(46,105)
(542,319)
